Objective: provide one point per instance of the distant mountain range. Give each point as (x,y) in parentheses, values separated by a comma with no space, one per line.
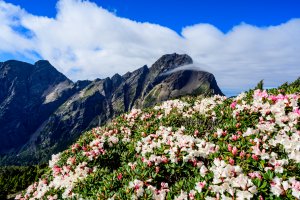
(42,111)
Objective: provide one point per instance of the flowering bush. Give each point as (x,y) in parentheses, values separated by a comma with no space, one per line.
(247,147)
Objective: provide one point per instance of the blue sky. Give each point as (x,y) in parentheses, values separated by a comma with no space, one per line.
(177,14)
(240,42)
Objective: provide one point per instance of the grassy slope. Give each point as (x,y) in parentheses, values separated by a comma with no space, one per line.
(192,147)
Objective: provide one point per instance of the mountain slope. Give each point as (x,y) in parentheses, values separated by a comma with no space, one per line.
(98,101)
(29,94)
(193,148)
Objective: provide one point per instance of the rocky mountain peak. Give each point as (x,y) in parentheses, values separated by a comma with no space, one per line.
(15,68)
(171,61)
(42,63)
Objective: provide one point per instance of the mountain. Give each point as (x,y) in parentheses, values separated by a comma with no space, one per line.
(29,94)
(42,111)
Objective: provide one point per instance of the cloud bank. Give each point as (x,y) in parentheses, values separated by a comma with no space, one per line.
(85,41)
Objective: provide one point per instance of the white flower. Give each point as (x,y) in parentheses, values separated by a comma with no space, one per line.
(183,196)
(54,160)
(249,132)
(276,188)
(242,195)
(203,170)
(137,185)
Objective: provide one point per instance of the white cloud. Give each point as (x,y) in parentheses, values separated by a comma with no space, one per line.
(93,42)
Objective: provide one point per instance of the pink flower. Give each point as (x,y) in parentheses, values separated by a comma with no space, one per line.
(234,137)
(234,150)
(56,169)
(200,186)
(132,166)
(242,154)
(84,148)
(72,160)
(231,161)
(120,176)
(75,147)
(164,159)
(233,105)
(255,157)
(260,94)
(157,169)
(229,147)
(297,111)
(238,125)
(272,98)
(192,194)
(45,181)
(255,175)
(196,132)
(164,185)
(260,197)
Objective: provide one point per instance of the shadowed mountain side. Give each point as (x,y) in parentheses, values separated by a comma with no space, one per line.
(65,109)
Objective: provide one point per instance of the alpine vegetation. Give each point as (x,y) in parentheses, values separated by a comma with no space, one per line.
(247,147)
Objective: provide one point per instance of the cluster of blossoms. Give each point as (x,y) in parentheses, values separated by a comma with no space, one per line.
(272,109)
(279,115)
(279,187)
(175,147)
(168,106)
(291,144)
(132,116)
(206,106)
(64,178)
(230,179)
(137,186)
(251,152)
(67,176)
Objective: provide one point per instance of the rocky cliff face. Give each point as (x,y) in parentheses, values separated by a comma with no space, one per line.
(42,112)
(29,94)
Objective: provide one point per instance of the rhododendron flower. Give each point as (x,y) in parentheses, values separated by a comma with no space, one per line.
(276,188)
(199,186)
(137,185)
(192,194)
(231,161)
(242,154)
(119,176)
(255,157)
(233,104)
(234,150)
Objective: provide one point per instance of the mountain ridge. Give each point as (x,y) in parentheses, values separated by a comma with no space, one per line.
(76,107)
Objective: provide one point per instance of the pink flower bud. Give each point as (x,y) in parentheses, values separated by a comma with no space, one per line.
(261,198)
(229,147)
(242,154)
(120,176)
(255,157)
(231,161)
(196,132)
(156,169)
(234,150)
